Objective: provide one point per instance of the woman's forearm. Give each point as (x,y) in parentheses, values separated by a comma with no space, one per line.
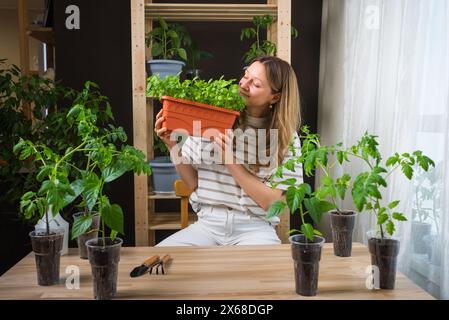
(186,171)
(262,194)
(188,174)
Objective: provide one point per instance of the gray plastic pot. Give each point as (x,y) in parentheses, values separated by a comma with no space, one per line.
(164,67)
(163,175)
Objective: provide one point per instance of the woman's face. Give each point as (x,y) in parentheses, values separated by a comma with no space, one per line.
(256,91)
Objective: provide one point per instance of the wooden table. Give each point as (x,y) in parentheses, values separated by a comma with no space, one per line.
(238,272)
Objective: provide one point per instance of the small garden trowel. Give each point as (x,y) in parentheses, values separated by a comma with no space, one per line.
(145,266)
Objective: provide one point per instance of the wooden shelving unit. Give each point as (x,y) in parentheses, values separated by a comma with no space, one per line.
(43,34)
(142,14)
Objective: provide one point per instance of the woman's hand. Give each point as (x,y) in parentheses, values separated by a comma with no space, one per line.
(162,132)
(225,147)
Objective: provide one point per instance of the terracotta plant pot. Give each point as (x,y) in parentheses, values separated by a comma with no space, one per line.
(181,114)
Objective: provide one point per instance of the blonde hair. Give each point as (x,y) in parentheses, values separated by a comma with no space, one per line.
(285,113)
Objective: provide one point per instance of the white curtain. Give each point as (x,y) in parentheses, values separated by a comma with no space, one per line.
(385,69)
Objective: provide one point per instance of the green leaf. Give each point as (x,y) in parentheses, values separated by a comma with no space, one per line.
(390,227)
(44,172)
(112,216)
(182,54)
(359,192)
(407,170)
(113,234)
(77,187)
(294,198)
(382,218)
(276,209)
(393,204)
(91,189)
(340,156)
(81,225)
(307,230)
(114,171)
(316,208)
(399,216)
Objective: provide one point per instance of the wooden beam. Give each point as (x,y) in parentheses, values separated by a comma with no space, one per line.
(208,12)
(24,49)
(284,29)
(139,117)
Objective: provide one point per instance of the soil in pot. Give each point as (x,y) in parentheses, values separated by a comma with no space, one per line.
(104,257)
(91,233)
(384,254)
(306,256)
(47,250)
(342,224)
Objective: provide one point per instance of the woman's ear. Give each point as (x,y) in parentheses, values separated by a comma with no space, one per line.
(276,98)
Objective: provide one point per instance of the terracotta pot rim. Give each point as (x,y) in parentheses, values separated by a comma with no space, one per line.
(201,105)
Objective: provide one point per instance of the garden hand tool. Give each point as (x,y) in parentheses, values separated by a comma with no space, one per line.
(143,268)
(161,264)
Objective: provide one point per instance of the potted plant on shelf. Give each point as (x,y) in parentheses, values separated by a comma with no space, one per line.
(315,156)
(216,104)
(164,172)
(258,47)
(306,246)
(166,42)
(366,193)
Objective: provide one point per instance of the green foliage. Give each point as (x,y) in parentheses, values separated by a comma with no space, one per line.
(106,155)
(366,191)
(221,93)
(296,195)
(15,91)
(259,47)
(195,54)
(167,39)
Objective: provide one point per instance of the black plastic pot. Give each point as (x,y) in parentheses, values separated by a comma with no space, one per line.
(384,253)
(47,250)
(342,225)
(91,233)
(419,231)
(104,256)
(306,255)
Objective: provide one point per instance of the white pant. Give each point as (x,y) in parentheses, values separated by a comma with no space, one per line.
(220,225)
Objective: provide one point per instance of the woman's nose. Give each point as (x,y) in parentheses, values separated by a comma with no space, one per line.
(244,84)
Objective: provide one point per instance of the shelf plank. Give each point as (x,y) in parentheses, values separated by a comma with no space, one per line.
(163,196)
(209,12)
(42,34)
(167,221)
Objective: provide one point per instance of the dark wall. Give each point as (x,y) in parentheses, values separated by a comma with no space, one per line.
(100,51)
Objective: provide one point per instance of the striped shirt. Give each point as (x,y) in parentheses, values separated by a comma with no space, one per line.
(216,186)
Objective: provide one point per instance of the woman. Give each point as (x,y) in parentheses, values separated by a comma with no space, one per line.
(233,194)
